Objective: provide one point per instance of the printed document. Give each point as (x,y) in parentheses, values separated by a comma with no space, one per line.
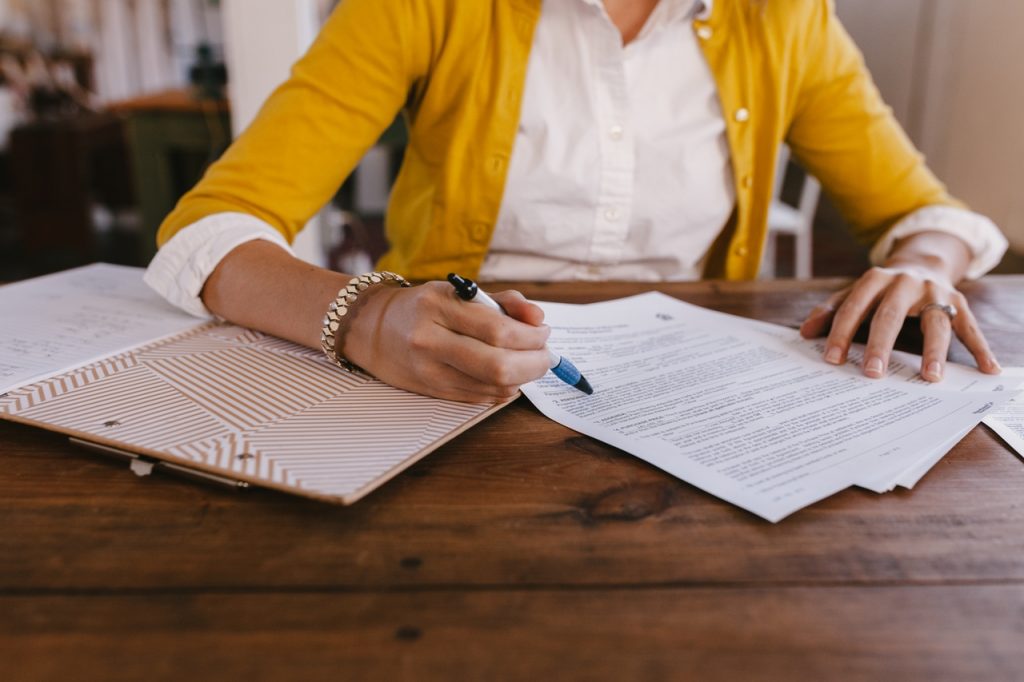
(55,323)
(906,472)
(754,418)
(1008,420)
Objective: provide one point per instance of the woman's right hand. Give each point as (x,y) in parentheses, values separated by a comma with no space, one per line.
(426,340)
(423,339)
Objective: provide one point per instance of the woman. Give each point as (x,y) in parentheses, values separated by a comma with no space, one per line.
(569,139)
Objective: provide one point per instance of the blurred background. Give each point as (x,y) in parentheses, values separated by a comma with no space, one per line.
(111,109)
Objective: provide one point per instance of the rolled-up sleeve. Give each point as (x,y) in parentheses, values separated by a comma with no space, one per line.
(986,243)
(181,267)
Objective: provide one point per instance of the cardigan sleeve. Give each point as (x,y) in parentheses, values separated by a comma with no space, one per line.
(315,127)
(845,135)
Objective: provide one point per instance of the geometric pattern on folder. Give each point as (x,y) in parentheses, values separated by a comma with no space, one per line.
(181,346)
(338,446)
(272,343)
(51,388)
(233,453)
(253,406)
(246,387)
(131,407)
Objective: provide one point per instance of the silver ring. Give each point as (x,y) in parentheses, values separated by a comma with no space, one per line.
(950,310)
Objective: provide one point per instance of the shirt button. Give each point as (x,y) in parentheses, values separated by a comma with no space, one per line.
(742,114)
(479,231)
(496,163)
(747,182)
(611,214)
(615,132)
(704,32)
(741,251)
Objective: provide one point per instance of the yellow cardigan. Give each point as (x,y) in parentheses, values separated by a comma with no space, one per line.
(785,70)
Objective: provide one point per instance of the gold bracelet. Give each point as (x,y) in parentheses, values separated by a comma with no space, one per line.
(330,334)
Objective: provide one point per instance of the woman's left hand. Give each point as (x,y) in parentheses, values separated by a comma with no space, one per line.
(890,295)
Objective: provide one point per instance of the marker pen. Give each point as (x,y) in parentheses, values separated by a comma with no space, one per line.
(561,367)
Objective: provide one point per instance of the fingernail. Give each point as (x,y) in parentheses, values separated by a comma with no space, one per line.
(934,369)
(874,366)
(994,365)
(833,355)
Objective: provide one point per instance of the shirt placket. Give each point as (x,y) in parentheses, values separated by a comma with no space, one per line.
(614,204)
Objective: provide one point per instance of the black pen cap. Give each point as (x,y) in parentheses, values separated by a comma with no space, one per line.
(466,289)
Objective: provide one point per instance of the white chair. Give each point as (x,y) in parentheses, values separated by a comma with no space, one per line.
(797,221)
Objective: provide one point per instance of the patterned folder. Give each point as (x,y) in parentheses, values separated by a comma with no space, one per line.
(249,407)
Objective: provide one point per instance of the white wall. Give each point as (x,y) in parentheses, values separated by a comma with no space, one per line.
(952,71)
(973,124)
(117,69)
(262,39)
(889,34)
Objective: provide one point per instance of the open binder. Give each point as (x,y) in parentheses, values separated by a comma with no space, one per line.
(235,406)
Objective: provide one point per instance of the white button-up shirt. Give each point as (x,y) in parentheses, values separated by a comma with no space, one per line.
(620,168)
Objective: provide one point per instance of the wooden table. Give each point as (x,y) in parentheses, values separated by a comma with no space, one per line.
(520,550)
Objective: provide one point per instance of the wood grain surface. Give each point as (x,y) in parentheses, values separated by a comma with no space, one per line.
(520,550)
(789,633)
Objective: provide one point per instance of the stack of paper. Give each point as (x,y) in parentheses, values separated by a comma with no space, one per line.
(1008,419)
(748,411)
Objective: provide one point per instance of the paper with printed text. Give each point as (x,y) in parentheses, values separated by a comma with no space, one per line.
(754,418)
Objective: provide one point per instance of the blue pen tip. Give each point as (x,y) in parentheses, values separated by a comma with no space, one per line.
(567,372)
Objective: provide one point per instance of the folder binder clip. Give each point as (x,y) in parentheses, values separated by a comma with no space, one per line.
(144,466)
